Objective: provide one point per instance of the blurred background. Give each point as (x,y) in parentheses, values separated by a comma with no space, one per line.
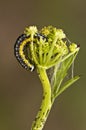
(20,90)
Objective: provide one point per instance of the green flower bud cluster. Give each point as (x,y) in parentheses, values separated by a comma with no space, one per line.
(49,46)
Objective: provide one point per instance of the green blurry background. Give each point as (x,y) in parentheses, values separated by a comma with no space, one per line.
(21,91)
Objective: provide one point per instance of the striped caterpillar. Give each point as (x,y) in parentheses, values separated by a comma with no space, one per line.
(21,44)
(19,47)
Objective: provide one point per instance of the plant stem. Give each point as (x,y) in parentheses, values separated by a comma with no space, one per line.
(45,108)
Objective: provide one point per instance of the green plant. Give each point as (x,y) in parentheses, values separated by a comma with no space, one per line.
(49,51)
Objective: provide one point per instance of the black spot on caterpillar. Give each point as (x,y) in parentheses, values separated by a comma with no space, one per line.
(19,48)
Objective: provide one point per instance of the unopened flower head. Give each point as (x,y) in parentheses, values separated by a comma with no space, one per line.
(30,30)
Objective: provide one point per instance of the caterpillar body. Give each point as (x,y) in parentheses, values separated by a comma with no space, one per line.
(20,45)
(19,48)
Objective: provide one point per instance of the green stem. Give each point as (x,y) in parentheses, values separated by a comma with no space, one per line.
(45,108)
(32,50)
(51,50)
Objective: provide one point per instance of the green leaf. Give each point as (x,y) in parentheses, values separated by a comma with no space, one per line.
(67,85)
(61,72)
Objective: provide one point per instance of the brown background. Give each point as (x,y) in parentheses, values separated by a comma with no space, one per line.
(20,91)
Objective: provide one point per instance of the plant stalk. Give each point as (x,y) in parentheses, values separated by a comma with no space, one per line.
(45,108)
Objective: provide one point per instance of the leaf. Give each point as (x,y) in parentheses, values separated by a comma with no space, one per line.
(61,72)
(67,85)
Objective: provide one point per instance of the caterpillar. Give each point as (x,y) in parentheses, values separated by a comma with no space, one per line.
(19,48)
